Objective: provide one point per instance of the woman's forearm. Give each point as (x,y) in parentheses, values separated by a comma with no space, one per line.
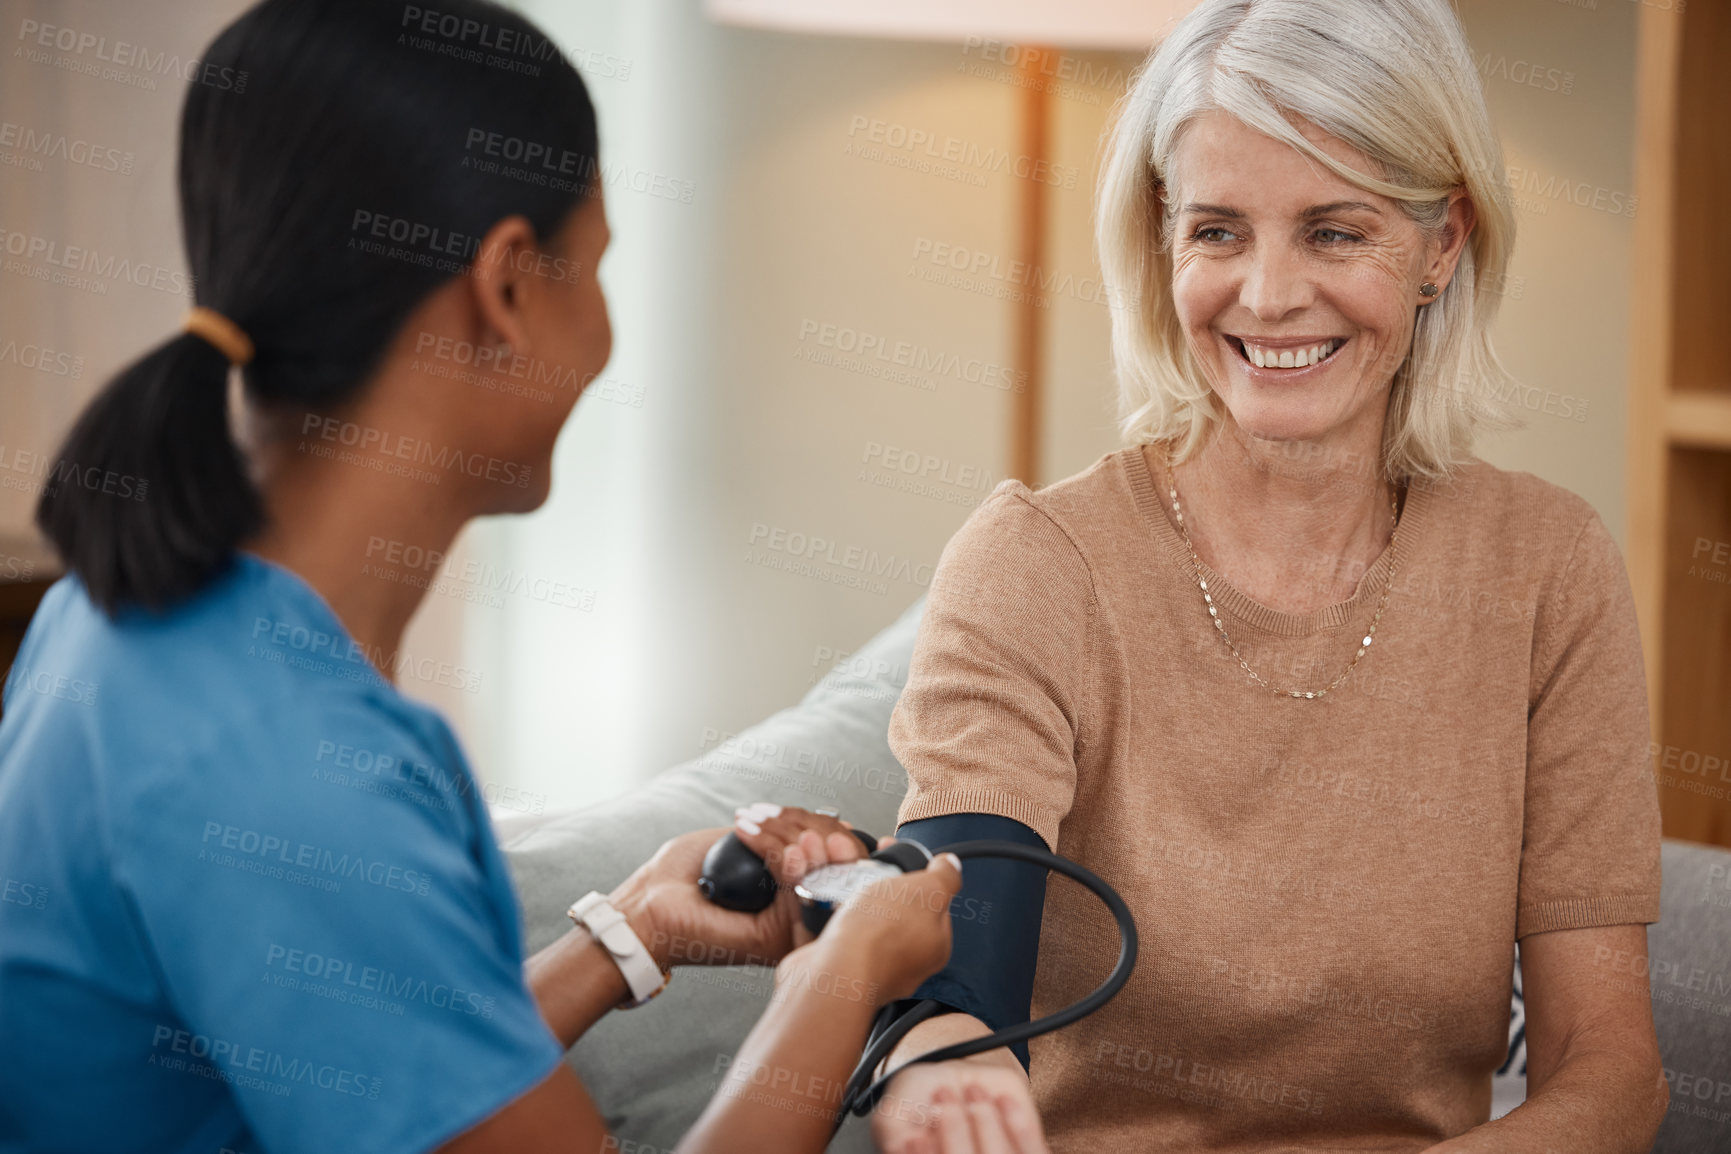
(575,982)
(783,1089)
(947,1030)
(1598,1102)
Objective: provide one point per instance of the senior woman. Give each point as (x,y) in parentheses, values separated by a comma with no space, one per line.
(1344,712)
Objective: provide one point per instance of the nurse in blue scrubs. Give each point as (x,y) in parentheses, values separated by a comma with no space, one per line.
(253,900)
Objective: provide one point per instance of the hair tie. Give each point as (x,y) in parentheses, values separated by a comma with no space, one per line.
(222,334)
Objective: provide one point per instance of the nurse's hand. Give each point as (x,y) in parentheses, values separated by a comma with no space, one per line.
(680,927)
(882,943)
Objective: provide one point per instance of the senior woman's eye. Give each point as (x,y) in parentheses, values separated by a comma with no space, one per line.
(1335,236)
(1213,234)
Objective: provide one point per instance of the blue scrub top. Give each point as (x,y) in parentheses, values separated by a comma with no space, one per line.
(249,895)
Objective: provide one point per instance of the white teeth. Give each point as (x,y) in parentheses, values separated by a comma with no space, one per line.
(1288,358)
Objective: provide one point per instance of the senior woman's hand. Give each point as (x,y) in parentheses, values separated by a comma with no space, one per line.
(680,927)
(977,1105)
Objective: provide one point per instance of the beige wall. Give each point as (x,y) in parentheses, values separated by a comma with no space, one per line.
(721,419)
(1564,328)
(125,219)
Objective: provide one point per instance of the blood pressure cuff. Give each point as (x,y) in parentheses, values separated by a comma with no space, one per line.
(994,922)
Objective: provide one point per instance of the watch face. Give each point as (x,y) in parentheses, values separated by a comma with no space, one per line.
(835,885)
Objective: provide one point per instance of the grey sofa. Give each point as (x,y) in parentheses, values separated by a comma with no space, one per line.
(653,1069)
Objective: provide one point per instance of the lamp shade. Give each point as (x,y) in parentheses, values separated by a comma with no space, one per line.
(1124,24)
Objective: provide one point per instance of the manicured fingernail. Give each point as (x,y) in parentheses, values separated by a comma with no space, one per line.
(762,810)
(955,862)
(749,826)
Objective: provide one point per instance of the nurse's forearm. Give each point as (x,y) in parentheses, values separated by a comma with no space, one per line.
(783,1089)
(575,982)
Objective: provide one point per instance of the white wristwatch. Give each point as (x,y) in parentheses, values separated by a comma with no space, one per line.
(594,912)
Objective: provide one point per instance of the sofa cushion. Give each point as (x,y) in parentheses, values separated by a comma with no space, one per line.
(1688,970)
(1689,973)
(652,1070)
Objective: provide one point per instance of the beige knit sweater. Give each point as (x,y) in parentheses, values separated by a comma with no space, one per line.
(1328,891)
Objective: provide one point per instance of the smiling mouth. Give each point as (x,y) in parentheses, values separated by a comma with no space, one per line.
(1301,357)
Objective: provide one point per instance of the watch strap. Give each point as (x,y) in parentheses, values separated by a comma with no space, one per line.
(610,928)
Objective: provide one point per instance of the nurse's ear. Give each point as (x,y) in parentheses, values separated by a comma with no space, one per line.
(499,283)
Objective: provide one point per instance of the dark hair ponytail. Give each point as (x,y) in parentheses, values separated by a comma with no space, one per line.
(332,115)
(143,517)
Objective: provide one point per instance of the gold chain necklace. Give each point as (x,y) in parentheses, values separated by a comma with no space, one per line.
(1220,627)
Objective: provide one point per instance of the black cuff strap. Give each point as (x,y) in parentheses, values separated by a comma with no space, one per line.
(994,923)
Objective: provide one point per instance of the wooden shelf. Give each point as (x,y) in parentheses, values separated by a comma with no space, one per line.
(1680,410)
(1699,420)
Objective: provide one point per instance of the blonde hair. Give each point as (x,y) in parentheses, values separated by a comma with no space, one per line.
(1393,79)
